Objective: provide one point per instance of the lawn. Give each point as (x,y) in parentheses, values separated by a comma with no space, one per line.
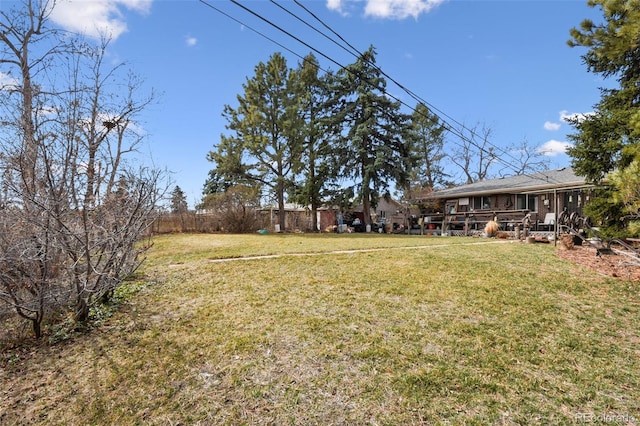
(345,330)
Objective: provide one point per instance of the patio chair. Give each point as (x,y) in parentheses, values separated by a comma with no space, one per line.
(549,222)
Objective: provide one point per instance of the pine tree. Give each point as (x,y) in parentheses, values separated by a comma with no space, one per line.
(178,201)
(265,143)
(373,135)
(602,139)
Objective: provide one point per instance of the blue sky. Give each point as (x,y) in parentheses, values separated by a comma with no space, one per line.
(502,64)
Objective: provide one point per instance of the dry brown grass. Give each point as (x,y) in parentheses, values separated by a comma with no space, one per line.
(500,333)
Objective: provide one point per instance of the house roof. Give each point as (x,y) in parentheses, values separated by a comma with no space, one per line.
(293,207)
(382,202)
(563,178)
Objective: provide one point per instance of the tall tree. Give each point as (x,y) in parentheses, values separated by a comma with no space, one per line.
(607,142)
(178,200)
(24,29)
(429,172)
(475,155)
(373,136)
(316,166)
(265,143)
(613,52)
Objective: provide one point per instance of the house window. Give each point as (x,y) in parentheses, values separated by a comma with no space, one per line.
(382,215)
(527,202)
(481,203)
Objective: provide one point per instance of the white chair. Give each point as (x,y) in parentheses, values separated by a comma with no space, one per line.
(549,222)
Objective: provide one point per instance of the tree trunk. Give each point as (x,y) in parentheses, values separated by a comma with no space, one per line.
(366,210)
(37,327)
(314,217)
(366,191)
(82,310)
(281,212)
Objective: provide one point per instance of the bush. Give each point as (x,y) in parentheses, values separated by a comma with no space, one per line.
(236,209)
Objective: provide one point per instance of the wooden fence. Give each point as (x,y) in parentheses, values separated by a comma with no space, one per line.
(186,222)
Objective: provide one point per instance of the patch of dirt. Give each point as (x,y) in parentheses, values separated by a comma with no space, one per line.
(611,265)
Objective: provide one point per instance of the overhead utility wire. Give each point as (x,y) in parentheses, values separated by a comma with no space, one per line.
(358,54)
(451,129)
(285,32)
(401,86)
(250,28)
(328,27)
(410,92)
(355,52)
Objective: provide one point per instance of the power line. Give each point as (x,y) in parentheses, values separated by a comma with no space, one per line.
(406,90)
(355,51)
(414,96)
(327,27)
(249,27)
(285,32)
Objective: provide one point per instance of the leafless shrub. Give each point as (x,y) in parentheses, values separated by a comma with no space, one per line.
(236,209)
(73,209)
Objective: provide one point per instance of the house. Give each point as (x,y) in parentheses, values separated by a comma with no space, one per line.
(540,197)
(299,218)
(388,213)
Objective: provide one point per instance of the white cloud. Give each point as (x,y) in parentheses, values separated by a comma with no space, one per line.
(566,116)
(554,147)
(548,125)
(7,82)
(389,9)
(336,6)
(191,41)
(399,9)
(97,17)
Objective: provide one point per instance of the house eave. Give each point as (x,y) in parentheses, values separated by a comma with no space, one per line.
(524,190)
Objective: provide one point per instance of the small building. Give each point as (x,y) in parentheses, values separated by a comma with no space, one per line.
(540,197)
(298,218)
(388,213)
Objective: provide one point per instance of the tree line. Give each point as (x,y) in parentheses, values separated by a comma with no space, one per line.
(311,136)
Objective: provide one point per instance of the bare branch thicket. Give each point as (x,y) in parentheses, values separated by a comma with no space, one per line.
(524,158)
(73,205)
(475,156)
(236,209)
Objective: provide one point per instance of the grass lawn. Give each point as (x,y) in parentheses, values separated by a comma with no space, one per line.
(345,330)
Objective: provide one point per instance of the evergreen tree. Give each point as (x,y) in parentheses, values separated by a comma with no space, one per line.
(178,201)
(373,136)
(602,141)
(316,166)
(428,148)
(265,143)
(215,183)
(607,142)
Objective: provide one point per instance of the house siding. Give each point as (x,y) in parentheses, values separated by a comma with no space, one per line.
(469,207)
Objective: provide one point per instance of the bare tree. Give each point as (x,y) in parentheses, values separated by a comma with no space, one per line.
(524,158)
(475,154)
(236,208)
(73,207)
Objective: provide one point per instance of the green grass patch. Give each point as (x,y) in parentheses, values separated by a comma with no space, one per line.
(409,330)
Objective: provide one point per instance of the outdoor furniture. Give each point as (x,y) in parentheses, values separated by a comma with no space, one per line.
(548,224)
